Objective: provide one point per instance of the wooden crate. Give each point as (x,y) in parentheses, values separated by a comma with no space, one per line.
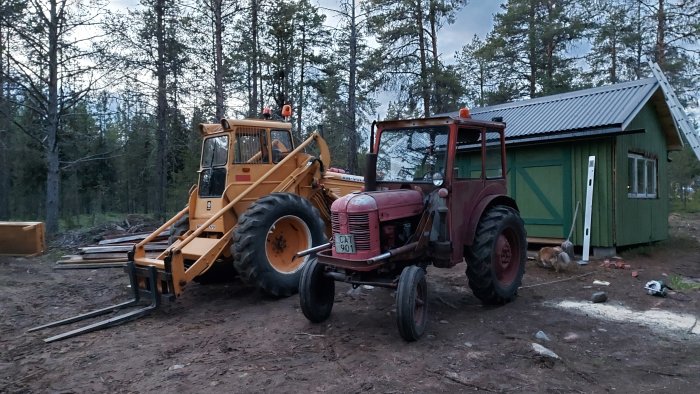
(22,238)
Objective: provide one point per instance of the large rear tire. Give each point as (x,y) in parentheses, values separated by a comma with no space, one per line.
(412,303)
(316,292)
(496,260)
(268,236)
(178,228)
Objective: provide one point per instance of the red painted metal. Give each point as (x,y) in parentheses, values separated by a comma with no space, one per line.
(361,265)
(359,214)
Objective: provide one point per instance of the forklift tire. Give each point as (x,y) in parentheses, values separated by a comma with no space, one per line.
(496,260)
(178,228)
(316,292)
(412,303)
(268,236)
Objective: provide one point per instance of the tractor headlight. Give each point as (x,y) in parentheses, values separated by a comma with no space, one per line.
(437,179)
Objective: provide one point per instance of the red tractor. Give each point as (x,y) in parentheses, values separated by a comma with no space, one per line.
(414,213)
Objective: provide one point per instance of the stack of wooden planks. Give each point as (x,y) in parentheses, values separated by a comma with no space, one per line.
(112,251)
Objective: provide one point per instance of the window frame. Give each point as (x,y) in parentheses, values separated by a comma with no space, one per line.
(641,164)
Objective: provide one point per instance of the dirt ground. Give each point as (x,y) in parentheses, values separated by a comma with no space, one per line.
(231,338)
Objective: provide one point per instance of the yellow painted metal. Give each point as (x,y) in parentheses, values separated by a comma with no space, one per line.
(206,260)
(198,247)
(212,220)
(22,238)
(342,184)
(209,129)
(287,236)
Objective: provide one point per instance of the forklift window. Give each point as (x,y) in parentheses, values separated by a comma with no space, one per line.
(212,182)
(281,144)
(250,146)
(215,151)
(212,176)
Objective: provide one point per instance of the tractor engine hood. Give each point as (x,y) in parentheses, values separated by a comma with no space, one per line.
(388,204)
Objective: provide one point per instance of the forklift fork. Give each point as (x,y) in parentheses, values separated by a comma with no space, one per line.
(116,320)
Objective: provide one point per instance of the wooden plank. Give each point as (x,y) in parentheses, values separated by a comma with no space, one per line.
(88,266)
(118,248)
(135,237)
(102,256)
(93,261)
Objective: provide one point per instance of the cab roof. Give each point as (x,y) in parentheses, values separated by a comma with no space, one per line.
(213,128)
(439,121)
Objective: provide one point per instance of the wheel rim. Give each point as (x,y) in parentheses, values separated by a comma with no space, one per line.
(419,303)
(507,257)
(287,236)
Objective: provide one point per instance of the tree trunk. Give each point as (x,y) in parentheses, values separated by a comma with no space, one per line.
(352,94)
(302,68)
(437,97)
(4,129)
(51,149)
(161,112)
(660,48)
(253,105)
(425,85)
(532,45)
(219,58)
(640,44)
(613,58)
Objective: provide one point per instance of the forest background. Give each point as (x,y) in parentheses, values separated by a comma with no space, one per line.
(99,105)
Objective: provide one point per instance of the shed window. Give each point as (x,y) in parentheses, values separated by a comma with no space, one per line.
(641,176)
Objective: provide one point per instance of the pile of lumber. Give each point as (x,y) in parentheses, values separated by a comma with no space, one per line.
(111,252)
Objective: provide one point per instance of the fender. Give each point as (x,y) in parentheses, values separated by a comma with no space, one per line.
(479,210)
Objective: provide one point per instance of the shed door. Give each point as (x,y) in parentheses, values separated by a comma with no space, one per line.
(540,182)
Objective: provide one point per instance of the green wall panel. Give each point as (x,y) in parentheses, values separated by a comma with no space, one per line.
(537,175)
(547,180)
(602,228)
(642,220)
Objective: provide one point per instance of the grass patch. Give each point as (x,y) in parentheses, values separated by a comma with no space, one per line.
(677,282)
(690,206)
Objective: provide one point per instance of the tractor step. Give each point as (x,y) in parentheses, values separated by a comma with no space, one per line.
(152,277)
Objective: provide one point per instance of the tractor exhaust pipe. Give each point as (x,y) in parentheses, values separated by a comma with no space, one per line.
(371,164)
(371,172)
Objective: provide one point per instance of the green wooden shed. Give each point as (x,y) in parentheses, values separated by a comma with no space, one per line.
(629,127)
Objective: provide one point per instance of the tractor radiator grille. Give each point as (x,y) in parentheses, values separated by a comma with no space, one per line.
(358,225)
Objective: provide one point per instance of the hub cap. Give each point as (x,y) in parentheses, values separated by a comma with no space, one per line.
(287,236)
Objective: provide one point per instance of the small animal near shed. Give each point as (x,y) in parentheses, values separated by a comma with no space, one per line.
(629,127)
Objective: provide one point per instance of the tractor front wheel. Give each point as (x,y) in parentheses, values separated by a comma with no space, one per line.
(412,303)
(496,260)
(316,292)
(268,237)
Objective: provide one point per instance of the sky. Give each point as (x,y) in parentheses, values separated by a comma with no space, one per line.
(475,18)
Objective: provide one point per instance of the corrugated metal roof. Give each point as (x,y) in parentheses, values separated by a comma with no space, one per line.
(604,108)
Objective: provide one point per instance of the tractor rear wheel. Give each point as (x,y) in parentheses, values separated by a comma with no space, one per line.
(316,292)
(412,303)
(496,259)
(268,236)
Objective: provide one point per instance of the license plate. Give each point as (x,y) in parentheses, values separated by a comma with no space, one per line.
(344,243)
